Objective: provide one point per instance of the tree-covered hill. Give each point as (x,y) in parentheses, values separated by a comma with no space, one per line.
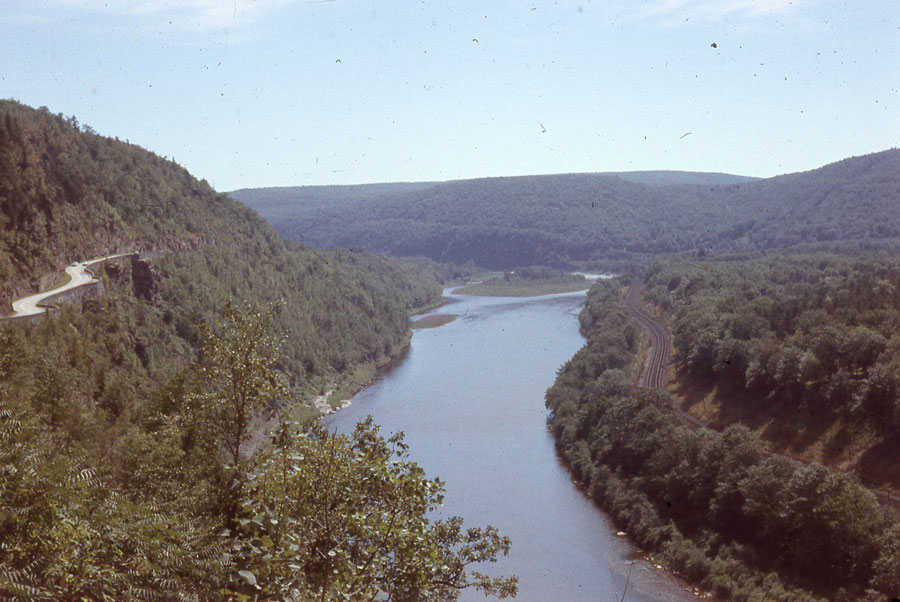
(667,178)
(600,220)
(68,194)
(132,425)
(857,199)
(802,347)
(279,199)
(500,222)
(715,507)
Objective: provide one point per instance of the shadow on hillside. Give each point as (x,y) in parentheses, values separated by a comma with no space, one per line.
(799,432)
(721,405)
(790,432)
(786,430)
(879,466)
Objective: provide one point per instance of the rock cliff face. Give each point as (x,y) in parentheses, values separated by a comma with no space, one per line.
(144,278)
(13,289)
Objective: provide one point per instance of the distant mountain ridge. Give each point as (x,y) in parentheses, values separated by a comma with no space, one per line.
(593,219)
(668,177)
(275,196)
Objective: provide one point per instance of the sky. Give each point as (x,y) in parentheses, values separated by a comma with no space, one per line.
(251,93)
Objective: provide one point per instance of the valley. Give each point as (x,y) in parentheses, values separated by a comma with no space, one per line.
(328,301)
(180,399)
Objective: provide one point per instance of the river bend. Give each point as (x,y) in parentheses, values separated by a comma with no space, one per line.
(470,398)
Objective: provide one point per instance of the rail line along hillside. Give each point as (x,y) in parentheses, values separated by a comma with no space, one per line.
(655,372)
(655,375)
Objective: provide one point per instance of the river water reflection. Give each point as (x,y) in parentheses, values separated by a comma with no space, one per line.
(470,398)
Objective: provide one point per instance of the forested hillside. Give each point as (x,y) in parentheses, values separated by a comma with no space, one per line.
(714,507)
(128,424)
(68,194)
(802,347)
(599,220)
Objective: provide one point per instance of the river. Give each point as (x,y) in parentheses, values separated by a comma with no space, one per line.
(470,397)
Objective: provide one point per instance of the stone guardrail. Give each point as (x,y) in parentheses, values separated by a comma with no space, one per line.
(91,289)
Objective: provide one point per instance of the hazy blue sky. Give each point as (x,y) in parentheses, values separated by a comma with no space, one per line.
(279,92)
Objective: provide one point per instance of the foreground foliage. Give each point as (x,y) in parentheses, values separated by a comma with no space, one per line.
(337,517)
(128,430)
(712,506)
(70,534)
(318,516)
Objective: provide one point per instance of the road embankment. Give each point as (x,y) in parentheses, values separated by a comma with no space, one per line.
(82,284)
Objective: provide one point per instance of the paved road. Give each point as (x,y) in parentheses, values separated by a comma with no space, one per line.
(655,375)
(78,276)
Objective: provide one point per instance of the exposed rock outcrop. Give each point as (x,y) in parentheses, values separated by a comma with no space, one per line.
(144,277)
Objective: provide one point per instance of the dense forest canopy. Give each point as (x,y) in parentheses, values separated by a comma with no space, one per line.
(808,338)
(68,194)
(599,220)
(714,506)
(133,455)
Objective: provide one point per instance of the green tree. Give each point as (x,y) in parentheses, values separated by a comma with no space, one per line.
(346,517)
(879,399)
(862,347)
(886,578)
(67,535)
(240,380)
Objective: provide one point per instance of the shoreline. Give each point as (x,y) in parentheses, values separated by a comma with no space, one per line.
(340,394)
(361,376)
(622,553)
(432,321)
(524,290)
(424,309)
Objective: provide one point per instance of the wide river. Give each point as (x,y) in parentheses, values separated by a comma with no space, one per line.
(470,397)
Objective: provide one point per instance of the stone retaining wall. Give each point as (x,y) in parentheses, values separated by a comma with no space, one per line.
(72,296)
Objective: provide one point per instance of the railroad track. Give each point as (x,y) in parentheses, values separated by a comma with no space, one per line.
(655,375)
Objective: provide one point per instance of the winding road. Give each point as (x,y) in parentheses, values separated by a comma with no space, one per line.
(655,375)
(79,275)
